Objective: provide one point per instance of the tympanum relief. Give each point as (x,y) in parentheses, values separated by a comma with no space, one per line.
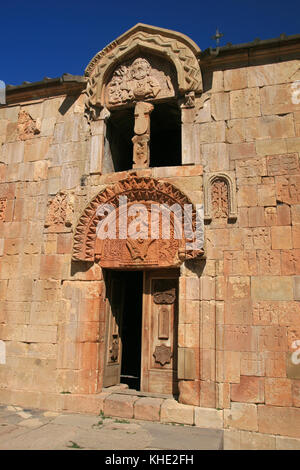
(138,80)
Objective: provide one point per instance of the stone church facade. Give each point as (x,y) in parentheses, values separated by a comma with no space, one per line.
(204,325)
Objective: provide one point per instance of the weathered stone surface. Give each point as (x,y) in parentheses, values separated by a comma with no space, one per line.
(278,392)
(272,288)
(281,420)
(173,412)
(241,416)
(249,390)
(285,443)
(119,405)
(208,418)
(148,409)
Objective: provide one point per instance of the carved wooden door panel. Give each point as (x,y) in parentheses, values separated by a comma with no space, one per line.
(114,313)
(159,342)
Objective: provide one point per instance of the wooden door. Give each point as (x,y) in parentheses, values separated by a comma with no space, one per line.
(159,332)
(115,289)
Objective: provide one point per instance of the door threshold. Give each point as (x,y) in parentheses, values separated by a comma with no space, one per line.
(121,390)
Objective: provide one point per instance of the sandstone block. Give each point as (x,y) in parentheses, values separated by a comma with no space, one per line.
(208,418)
(271,288)
(245,103)
(281,420)
(266,195)
(119,405)
(297,287)
(281,238)
(36,149)
(241,151)
(249,390)
(277,99)
(270,147)
(228,366)
(278,392)
(235,79)
(173,412)
(148,409)
(286,443)
(296,236)
(220,108)
(247,196)
(269,127)
(241,416)
(189,391)
(256,216)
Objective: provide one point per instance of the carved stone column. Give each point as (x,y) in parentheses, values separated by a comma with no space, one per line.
(141,151)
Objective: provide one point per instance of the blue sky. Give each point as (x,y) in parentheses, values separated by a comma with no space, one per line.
(48,38)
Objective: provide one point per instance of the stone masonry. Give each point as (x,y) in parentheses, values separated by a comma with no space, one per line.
(239,304)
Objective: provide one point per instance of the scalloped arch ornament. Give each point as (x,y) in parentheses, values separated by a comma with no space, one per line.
(175,47)
(137,254)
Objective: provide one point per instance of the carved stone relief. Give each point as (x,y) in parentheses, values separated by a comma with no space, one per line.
(27,127)
(220,196)
(144,250)
(60,213)
(163,354)
(138,81)
(172,47)
(164,291)
(141,151)
(219,199)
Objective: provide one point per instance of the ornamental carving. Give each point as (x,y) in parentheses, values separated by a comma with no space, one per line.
(138,79)
(141,151)
(220,196)
(146,249)
(164,291)
(219,199)
(27,127)
(163,354)
(60,211)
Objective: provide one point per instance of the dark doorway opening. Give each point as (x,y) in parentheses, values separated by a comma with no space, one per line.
(119,134)
(165,141)
(131,332)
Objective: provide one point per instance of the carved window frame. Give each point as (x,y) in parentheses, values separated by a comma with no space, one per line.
(229,179)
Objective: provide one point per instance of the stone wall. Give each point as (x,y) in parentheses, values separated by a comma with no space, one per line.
(249,125)
(240,310)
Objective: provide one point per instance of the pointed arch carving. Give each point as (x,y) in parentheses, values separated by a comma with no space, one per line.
(220,196)
(130,253)
(175,47)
